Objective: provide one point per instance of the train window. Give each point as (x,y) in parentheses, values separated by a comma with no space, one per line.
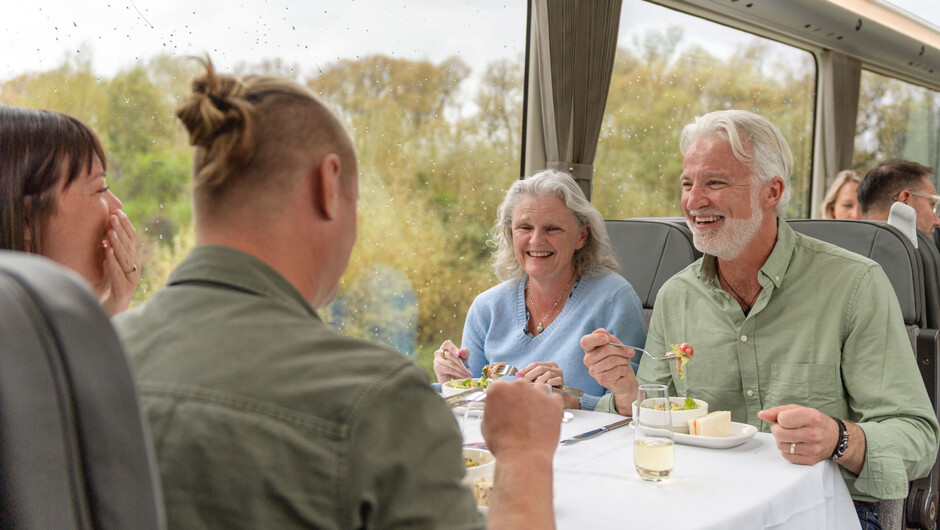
(896,119)
(671,67)
(430,91)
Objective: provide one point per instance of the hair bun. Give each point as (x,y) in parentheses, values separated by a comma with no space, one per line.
(220,119)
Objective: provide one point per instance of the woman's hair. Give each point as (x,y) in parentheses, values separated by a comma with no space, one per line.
(250,130)
(755,142)
(591,259)
(38,148)
(842,177)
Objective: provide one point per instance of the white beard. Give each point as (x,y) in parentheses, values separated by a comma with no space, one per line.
(732,238)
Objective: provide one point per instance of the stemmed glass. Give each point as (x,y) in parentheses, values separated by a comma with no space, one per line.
(654,452)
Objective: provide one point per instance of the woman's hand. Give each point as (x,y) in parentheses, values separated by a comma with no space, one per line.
(550,374)
(449,362)
(121,268)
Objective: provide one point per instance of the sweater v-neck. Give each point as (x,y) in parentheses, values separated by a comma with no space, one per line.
(522,314)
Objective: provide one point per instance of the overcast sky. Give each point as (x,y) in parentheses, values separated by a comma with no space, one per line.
(37,34)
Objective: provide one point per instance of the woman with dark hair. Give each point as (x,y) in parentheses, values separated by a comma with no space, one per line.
(54,201)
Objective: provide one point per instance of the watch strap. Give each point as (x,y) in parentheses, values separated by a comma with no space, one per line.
(843,443)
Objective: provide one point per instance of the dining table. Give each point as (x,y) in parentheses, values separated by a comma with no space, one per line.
(748,485)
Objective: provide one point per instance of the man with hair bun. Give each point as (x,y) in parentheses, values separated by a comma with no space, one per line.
(262,415)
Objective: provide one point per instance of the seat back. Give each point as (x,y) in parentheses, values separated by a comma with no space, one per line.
(73,448)
(650,251)
(930,259)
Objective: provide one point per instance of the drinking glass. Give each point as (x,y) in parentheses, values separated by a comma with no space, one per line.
(654,453)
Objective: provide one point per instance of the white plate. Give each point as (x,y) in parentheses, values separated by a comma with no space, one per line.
(740,433)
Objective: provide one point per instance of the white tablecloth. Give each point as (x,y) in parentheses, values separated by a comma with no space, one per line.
(748,486)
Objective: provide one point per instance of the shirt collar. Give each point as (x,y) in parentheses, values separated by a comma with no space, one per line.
(233,268)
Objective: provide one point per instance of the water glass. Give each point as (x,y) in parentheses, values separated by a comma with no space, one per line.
(654,452)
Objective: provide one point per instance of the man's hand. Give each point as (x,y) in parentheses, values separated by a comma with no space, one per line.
(610,366)
(521,426)
(807,436)
(521,418)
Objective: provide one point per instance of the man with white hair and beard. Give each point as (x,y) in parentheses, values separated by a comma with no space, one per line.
(792,335)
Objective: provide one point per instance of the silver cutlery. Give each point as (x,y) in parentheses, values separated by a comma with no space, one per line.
(670,355)
(595,432)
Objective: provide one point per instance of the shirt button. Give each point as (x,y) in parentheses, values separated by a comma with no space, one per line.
(777,278)
(750,393)
(743,338)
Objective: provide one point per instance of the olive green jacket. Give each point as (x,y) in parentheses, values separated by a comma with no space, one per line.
(265,417)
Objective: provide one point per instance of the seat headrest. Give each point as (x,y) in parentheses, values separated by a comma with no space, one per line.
(650,251)
(74,451)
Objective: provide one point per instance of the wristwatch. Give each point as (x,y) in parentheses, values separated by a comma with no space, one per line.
(843,442)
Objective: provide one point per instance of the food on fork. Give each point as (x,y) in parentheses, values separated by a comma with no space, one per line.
(482,382)
(683,356)
(492,369)
(715,424)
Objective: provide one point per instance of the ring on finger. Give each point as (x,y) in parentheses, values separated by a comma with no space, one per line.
(132,271)
(792,448)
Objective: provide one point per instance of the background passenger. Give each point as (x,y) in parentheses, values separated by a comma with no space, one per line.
(262,415)
(54,201)
(904,181)
(560,281)
(841,201)
(793,335)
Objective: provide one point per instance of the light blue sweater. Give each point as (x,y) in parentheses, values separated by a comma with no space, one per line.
(495,329)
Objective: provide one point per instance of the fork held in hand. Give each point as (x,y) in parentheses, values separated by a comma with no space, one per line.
(670,355)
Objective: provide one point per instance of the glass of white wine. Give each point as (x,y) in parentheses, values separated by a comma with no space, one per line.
(654,452)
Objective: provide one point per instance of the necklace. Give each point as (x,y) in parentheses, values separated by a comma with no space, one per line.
(539,328)
(739,297)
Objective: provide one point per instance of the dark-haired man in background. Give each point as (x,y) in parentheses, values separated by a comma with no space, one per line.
(896,180)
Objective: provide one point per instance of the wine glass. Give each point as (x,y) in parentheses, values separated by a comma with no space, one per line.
(654,452)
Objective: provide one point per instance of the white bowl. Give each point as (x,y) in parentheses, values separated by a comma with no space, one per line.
(486,461)
(447,389)
(680,418)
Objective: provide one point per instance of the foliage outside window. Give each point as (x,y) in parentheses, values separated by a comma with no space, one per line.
(438,139)
(664,78)
(896,120)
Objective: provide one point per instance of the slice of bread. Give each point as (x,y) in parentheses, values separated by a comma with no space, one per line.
(716,423)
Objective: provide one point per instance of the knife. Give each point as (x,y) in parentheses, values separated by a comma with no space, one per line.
(595,432)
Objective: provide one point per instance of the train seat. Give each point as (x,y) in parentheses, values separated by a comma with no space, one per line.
(650,251)
(74,453)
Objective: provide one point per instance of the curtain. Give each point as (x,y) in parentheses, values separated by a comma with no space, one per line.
(575,46)
(839,74)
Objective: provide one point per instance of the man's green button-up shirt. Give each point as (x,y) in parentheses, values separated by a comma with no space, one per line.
(825,332)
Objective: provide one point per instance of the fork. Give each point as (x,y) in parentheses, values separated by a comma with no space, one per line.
(670,355)
(505,369)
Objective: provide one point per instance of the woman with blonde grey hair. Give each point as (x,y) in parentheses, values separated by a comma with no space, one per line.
(841,201)
(559,282)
